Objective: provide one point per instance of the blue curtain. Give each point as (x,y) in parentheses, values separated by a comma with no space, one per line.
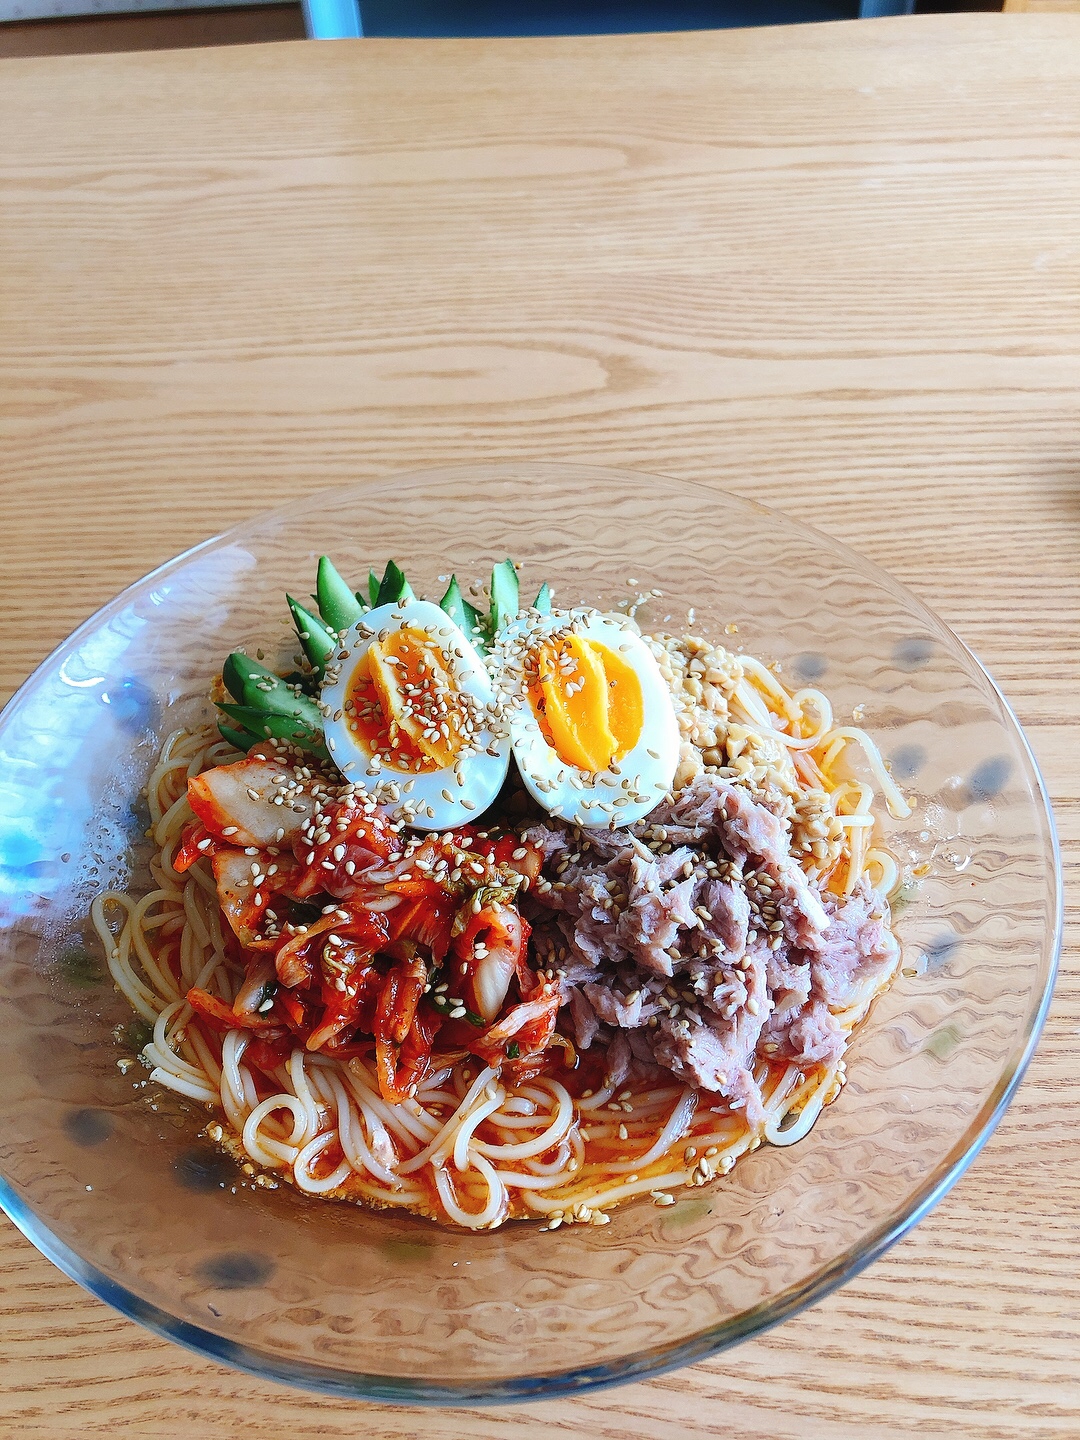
(340,19)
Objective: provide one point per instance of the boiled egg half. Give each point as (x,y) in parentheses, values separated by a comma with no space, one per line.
(409,708)
(593,727)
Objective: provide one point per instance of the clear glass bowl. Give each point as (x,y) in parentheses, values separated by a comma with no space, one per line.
(109,1176)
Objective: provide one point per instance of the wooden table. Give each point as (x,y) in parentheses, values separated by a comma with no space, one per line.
(835,267)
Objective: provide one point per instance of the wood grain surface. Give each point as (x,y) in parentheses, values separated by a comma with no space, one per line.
(834,267)
(163,30)
(1044,6)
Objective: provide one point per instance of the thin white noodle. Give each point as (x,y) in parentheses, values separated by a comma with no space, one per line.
(762,678)
(752,705)
(140,996)
(205,1056)
(518,1105)
(182,1085)
(835,741)
(302,1172)
(676,1126)
(161,829)
(794,707)
(888,871)
(379,1141)
(194,917)
(557,1166)
(233,1097)
(467,1127)
(647,1100)
(511,1122)
(821,703)
(302,1090)
(159,1052)
(431,1099)
(410,1196)
(350,1136)
(606,1195)
(444,1139)
(271,1151)
(435,1079)
(593,1102)
(563,1119)
(407,1123)
(807,1115)
(472,1153)
(493,1209)
(518,1180)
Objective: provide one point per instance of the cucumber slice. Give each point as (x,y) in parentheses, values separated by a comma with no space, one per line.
(372,588)
(338,605)
(316,639)
(240,740)
(543,600)
(393,588)
(280,727)
(465,616)
(254,685)
(505,595)
(236,672)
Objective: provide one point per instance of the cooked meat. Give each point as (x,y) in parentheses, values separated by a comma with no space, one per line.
(695,941)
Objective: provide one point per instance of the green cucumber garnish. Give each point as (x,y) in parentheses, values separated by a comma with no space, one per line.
(319,644)
(393,588)
(238,739)
(264,705)
(262,726)
(465,616)
(505,596)
(338,605)
(254,685)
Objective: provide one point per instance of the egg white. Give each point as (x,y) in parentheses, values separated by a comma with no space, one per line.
(640,780)
(423,804)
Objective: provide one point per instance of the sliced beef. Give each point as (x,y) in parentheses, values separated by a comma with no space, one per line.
(619,1059)
(719,1054)
(804,1035)
(550,840)
(630,922)
(857,946)
(798,906)
(729,914)
(713,807)
(650,923)
(583,1018)
(612,1007)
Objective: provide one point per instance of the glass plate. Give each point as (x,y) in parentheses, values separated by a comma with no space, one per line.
(108,1176)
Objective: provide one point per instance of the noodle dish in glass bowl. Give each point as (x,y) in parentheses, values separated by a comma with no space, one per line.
(391,896)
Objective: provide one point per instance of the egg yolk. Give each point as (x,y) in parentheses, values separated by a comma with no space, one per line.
(587,701)
(402,703)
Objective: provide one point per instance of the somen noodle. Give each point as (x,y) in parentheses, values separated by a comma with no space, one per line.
(561,1139)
